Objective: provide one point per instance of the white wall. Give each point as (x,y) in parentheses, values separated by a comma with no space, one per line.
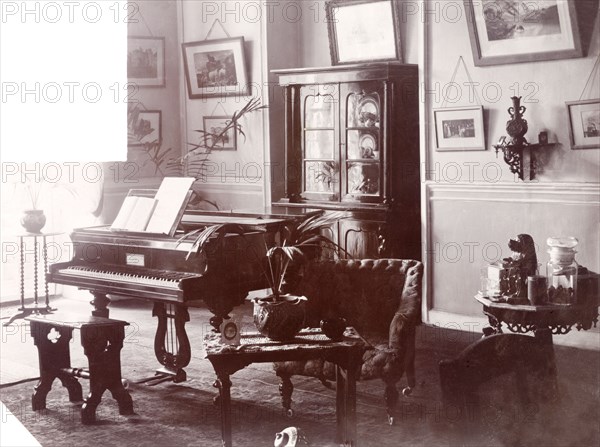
(473,204)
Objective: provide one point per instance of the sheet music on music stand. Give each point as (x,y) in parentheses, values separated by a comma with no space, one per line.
(151,211)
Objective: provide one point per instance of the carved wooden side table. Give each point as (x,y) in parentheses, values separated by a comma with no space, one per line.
(346,354)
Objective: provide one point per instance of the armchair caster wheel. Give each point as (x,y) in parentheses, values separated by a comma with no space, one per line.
(125,383)
(289,413)
(407,391)
(390,420)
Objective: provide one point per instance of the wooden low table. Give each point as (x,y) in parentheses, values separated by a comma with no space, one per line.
(346,354)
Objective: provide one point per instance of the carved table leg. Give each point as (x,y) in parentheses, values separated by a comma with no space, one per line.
(544,335)
(223,383)
(346,405)
(286,388)
(102,346)
(390,396)
(53,352)
(100,303)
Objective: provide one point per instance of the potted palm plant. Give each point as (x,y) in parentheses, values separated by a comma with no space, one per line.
(280,315)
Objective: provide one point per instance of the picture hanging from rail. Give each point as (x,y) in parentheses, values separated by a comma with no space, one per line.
(146,61)
(459,129)
(504,32)
(215,68)
(584,123)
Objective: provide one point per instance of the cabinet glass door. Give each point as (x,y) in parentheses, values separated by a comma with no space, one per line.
(362,130)
(320,157)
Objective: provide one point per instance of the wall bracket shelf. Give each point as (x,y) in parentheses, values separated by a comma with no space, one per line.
(521,157)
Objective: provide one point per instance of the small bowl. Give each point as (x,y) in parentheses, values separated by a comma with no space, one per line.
(333,327)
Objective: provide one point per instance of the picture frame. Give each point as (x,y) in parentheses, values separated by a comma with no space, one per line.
(459,129)
(146,61)
(522,31)
(584,123)
(215,68)
(145,128)
(350,25)
(213,125)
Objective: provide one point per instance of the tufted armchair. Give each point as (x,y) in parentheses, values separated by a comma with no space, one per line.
(382,300)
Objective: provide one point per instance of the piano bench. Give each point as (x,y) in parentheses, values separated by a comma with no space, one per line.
(101,339)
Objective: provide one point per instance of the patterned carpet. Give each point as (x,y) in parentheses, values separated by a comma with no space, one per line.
(184,414)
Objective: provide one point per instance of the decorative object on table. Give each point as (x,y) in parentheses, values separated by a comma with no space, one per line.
(562,270)
(459,128)
(537,290)
(361,31)
(510,32)
(518,153)
(33,220)
(507,280)
(215,68)
(280,316)
(584,123)
(146,61)
(334,327)
(290,437)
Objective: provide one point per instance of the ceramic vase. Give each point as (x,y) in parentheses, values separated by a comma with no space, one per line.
(33,220)
(279,319)
(517,127)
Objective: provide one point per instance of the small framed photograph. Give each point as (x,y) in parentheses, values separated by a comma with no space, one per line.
(584,123)
(145,128)
(215,135)
(505,32)
(363,31)
(146,61)
(459,129)
(215,68)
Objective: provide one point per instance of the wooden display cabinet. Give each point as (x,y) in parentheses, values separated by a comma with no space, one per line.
(352,143)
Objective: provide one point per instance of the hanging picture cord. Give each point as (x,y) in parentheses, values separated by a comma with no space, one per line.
(591,77)
(144,20)
(213,26)
(460,59)
(217,105)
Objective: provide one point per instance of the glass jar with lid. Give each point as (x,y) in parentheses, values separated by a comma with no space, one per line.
(562,270)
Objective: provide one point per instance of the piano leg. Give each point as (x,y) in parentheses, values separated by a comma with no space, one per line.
(100,303)
(171,343)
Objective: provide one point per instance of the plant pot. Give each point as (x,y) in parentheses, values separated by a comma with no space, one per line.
(33,220)
(279,319)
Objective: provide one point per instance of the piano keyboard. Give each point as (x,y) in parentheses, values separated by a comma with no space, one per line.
(147,277)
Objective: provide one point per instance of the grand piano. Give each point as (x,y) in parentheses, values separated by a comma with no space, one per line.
(173,274)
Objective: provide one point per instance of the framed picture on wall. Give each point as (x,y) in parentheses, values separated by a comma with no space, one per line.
(144,128)
(146,61)
(584,123)
(459,129)
(215,68)
(505,32)
(363,31)
(216,136)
